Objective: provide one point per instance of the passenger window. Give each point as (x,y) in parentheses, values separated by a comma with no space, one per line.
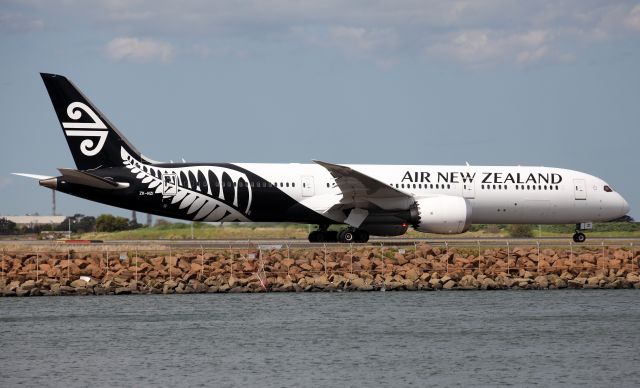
(287,184)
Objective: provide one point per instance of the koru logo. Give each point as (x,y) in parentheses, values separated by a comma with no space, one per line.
(89,130)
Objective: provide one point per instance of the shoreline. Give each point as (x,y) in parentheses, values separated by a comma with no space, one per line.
(87,271)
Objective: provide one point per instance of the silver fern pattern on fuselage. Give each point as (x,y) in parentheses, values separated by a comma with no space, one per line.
(199,190)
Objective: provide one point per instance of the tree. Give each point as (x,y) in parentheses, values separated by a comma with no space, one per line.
(79,223)
(520,230)
(110,223)
(7,226)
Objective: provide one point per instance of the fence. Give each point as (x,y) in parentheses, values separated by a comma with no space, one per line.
(150,264)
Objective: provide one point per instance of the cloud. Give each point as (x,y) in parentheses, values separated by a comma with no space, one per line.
(19,23)
(138,50)
(633,19)
(488,47)
(473,33)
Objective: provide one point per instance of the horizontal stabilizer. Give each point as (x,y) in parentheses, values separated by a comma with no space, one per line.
(32,176)
(88,179)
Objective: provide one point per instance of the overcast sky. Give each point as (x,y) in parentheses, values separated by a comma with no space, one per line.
(553,83)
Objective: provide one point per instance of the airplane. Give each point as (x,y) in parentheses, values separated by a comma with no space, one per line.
(368,200)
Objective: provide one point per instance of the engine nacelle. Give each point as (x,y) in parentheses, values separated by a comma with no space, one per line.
(443,215)
(385,230)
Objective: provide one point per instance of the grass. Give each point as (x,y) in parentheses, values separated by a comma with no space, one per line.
(181,231)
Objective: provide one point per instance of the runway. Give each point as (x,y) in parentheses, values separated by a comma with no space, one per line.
(301,244)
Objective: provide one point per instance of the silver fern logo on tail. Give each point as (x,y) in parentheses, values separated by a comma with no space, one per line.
(96,129)
(197,190)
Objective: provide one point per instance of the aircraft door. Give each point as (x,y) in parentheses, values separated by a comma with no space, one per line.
(307,186)
(169,184)
(469,190)
(580,189)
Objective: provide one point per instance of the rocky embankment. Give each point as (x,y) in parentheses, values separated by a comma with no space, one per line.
(336,269)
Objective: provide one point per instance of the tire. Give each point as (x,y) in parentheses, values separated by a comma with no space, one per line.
(313,236)
(579,237)
(331,236)
(362,236)
(346,236)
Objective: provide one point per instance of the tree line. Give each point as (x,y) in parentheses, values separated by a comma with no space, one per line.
(78,223)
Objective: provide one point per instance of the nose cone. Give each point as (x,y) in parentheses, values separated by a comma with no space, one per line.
(625,206)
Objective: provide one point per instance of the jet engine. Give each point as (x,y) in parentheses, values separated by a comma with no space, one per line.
(385,230)
(443,215)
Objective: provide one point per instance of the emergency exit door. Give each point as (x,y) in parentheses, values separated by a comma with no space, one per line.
(580,189)
(307,186)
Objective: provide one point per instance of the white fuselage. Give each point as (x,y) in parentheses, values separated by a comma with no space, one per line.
(497,194)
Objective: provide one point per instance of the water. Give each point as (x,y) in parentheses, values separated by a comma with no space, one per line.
(569,337)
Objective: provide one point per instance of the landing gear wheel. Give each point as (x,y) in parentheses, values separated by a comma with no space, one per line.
(579,237)
(314,236)
(362,236)
(346,236)
(319,236)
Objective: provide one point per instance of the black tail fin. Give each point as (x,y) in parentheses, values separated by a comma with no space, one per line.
(93,140)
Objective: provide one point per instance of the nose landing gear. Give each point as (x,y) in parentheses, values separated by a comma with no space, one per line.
(578,236)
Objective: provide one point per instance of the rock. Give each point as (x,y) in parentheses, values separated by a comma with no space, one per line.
(633,277)
(436,284)
(411,274)
(78,283)
(12,286)
(576,283)
(28,285)
(67,290)
(566,275)
(99,290)
(357,283)
(449,285)
(22,292)
(542,281)
(488,284)
(169,286)
(468,282)
(594,280)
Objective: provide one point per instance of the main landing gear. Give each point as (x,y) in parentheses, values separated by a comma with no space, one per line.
(347,235)
(578,236)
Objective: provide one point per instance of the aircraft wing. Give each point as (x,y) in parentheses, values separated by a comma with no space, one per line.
(358,189)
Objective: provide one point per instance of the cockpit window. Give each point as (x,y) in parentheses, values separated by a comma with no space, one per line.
(608,189)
